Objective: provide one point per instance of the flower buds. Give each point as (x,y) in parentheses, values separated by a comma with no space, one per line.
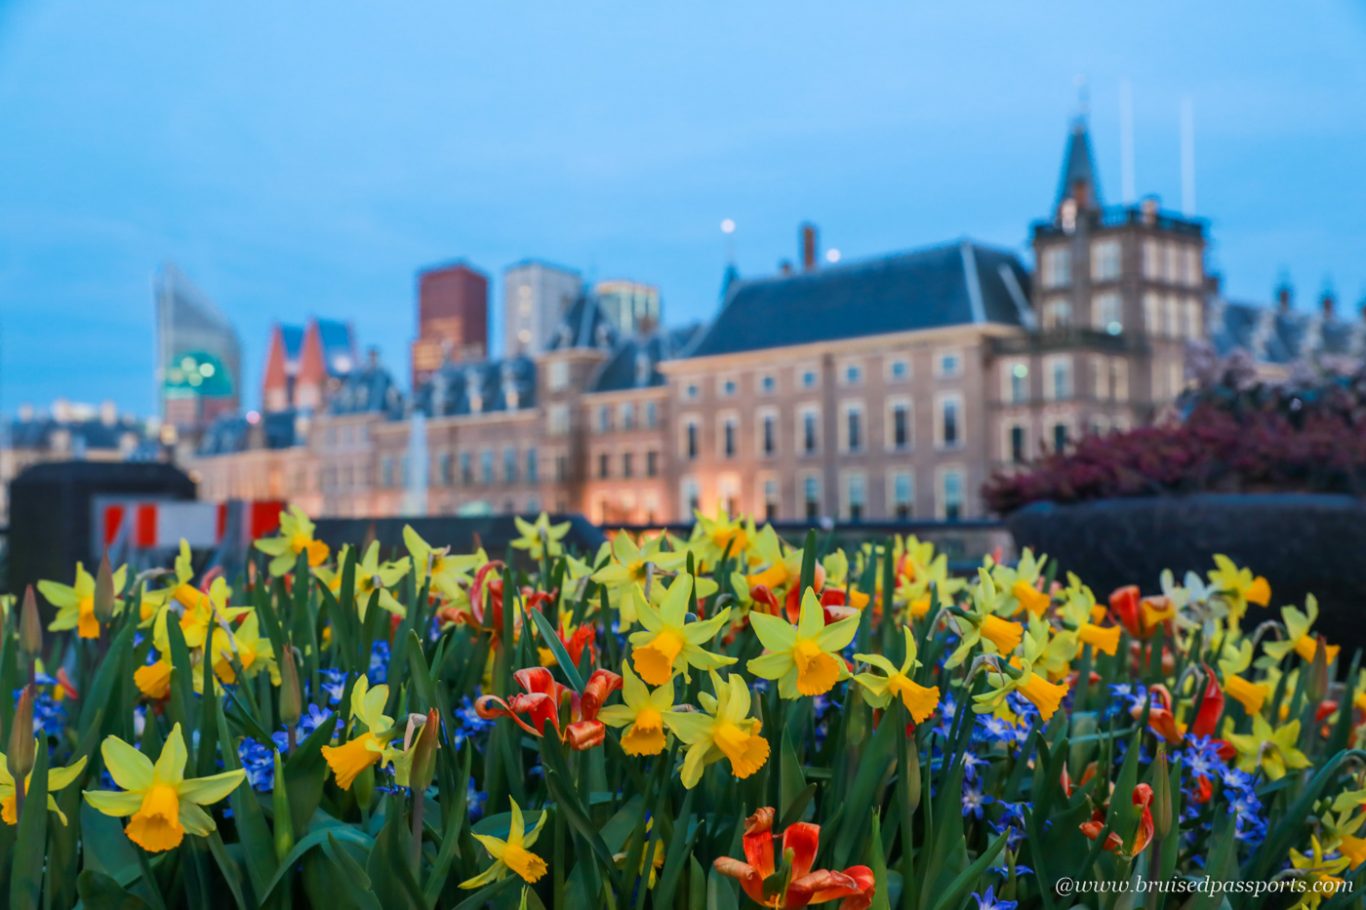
(105,594)
(291,695)
(424,748)
(30,626)
(1162,792)
(22,747)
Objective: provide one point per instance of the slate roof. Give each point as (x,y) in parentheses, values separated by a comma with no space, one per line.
(584,326)
(1275,336)
(292,336)
(233,433)
(496,385)
(1078,163)
(368,389)
(634,364)
(93,433)
(959,283)
(339,346)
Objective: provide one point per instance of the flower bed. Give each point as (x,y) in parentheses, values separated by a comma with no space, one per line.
(720,721)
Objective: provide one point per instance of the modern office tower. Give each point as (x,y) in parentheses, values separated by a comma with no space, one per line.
(536,297)
(199,356)
(452,318)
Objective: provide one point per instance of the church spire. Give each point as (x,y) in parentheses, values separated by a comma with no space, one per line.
(1080,181)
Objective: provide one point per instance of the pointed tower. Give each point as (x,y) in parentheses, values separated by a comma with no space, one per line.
(1080,182)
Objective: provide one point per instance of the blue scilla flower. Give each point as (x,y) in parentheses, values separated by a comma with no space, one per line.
(379,663)
(474,800)
(49,717)
(468,724)
(974,800)
(316,717)
(259,762)
(971,762)
(333,685)
(987,900)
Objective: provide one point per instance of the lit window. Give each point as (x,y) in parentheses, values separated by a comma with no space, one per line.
(1017,383)
(1109,313)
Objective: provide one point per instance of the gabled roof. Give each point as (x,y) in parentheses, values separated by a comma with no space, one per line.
(338,346)
(1078,163)
(960,283)
(634,364)
(584,326)
(292,338)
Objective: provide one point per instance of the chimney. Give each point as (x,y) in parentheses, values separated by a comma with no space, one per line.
(785,267)
(1148,208)
(1327,303)
(1283,296)
(808,246)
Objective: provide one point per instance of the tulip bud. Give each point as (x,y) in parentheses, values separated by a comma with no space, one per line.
(424,753)
(1162,793)
(30,626)
(104,591)
(20,757)
(291,694)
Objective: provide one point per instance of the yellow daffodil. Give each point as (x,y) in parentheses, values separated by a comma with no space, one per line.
(669,643)
(1018,587)
(1104,639)
(295,537)
(1274,750)
(57,779)
(367,747)
(982,626)
(442,570)
(920,571)
(896,682)
(1238,587)
(163,803)
(1299,636)
(511,855)
(628,568)
(641,712)
(155,601)
(245,644)
(154,679)
(723,729)
(805,658)
(1320,875)
(713,538)
(371,577)
(75,602)
(540,539)
(1020,676)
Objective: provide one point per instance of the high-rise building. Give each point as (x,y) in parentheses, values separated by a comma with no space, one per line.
(452,318)
(630,306)
(199,356)
(536,297)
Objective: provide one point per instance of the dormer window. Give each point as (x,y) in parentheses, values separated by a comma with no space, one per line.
(643,366)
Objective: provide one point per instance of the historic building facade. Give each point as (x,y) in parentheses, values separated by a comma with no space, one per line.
(887,388)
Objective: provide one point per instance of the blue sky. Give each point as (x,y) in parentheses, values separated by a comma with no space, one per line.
(304,157)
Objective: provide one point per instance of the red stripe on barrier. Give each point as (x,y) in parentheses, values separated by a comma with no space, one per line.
(265,517)
(222,526)
(145,526)
(113,522)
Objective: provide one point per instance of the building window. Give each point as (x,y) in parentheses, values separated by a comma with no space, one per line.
(853,374)
(689,495)
(1017,444)
(651,415)
(1152,259)
(559,419)
(898,370)
(690,440)
(604,465)
(509,465)
(626,413)
(466,469)
(767,384)
(1172,313)
(770,499)
(853,428)
(902,495)
(1057,267)
(899,424)
(447,469)
(1059,437)
(855,496)
(558,376)
(690,391)
(386,471)
(486,467)
(809,432)
(1060,378)
(728,388)
(604,419)
(533,468)
(627,464)
(1017,382)
(1109,312)
(811,496)
(1105,262)
(948,364)
(1119,379)
(768,433)
(561,469)
(808,379)
(951,494)
(950,418)
(728,437)
(1057,314)
(651,463)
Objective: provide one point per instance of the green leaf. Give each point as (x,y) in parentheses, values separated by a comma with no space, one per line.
(551,638)
(966,880)
(101,892)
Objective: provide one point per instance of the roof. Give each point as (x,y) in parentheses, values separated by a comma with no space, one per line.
(92,433)
(1078,163)
(368,389)
(292,337)
(960,283)
(339,346)
(493,385)
(634,364)
(584,326)
(233,433)
(1273,335)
